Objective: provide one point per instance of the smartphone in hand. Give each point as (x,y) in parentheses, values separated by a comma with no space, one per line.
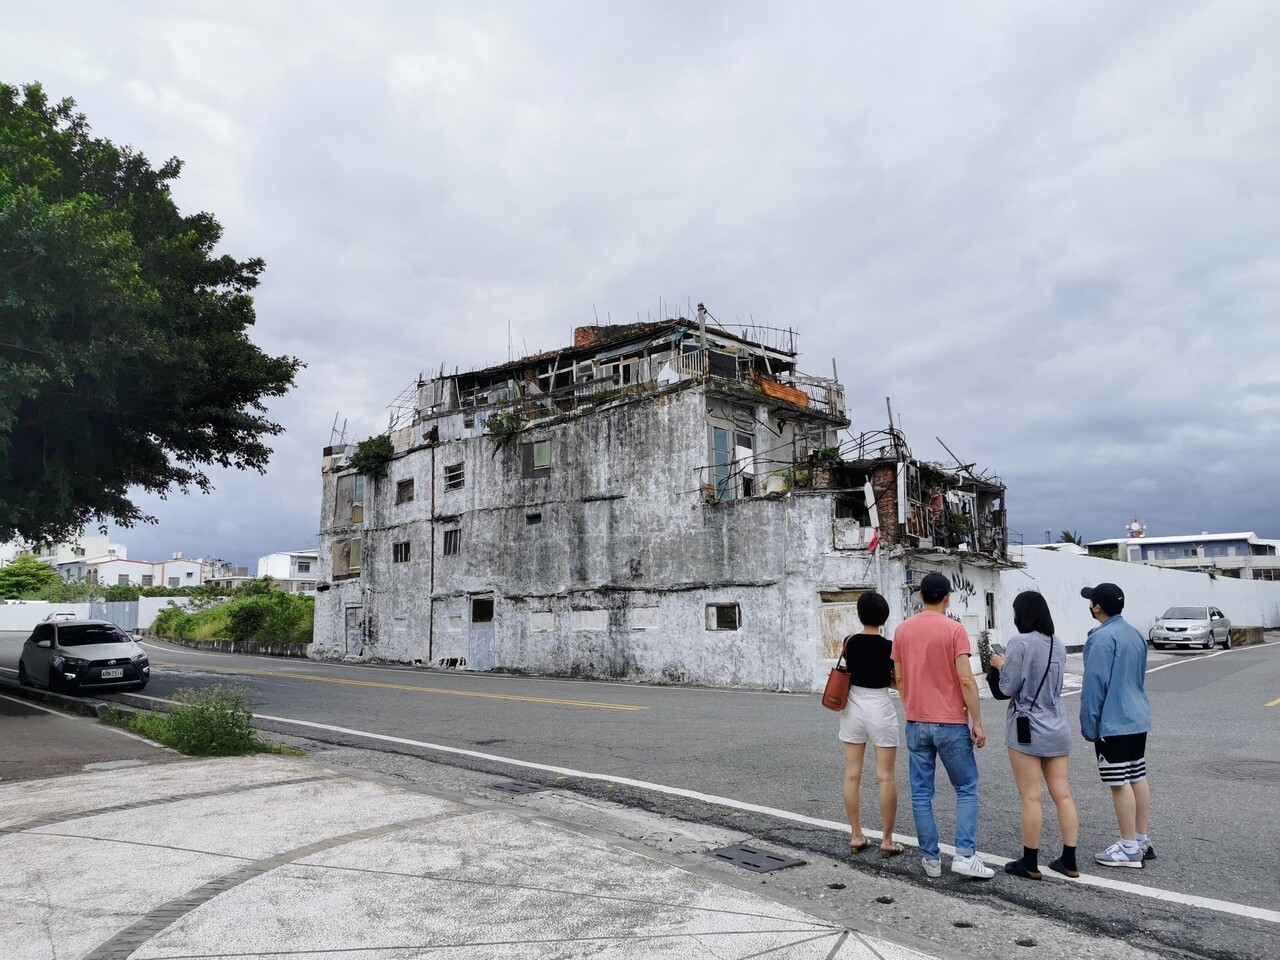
(998,648)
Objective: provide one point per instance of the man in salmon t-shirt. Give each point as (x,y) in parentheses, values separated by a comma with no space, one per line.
(931,663)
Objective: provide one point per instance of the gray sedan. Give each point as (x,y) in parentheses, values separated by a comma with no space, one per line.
(1191,627)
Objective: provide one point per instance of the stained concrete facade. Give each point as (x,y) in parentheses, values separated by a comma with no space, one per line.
(669,524)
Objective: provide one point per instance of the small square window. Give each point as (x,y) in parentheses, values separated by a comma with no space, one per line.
(400,552)
(723,616)
(173,581)
(454,476)
(304,566)
(482,609)
(531,518)
(147,579)
(452,542)
(122,580)
(404,491)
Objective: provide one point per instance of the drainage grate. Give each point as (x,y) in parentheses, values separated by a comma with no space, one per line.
(757,861)
(515,786)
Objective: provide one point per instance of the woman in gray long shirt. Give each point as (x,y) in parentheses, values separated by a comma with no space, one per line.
(1031,675)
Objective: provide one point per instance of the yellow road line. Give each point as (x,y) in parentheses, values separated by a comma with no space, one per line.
(452,693)
(1274,703)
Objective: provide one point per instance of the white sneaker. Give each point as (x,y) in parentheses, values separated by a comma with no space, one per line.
(932,868)
(971,866)
(1116,856)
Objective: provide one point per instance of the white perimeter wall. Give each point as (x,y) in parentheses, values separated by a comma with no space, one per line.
(25,615)
(1148,591)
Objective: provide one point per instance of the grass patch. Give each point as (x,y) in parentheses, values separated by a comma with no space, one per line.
(214,722)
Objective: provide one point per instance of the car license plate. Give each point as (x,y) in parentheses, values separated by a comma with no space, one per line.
(112,673)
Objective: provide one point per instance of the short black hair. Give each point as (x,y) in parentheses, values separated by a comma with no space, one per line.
(873,609)
(1031,613)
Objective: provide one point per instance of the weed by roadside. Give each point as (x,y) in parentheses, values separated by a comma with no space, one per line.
(214,722)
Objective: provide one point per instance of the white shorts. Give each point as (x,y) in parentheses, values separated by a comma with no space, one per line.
(869,717)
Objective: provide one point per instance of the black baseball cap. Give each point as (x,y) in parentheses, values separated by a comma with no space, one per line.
(1106,595)
(934,587)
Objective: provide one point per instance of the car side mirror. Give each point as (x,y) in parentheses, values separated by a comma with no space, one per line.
(46,644)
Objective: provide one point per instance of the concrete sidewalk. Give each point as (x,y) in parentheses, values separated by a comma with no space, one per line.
(270,856)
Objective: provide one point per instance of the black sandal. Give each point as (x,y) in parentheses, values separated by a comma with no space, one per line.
(1019,869)
(1057,866)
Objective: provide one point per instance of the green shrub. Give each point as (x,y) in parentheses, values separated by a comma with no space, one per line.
(216,722)
(247,617)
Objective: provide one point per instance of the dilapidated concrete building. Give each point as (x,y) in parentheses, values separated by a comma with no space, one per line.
(664,502)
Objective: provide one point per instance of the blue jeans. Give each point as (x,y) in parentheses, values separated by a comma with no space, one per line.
(926,742)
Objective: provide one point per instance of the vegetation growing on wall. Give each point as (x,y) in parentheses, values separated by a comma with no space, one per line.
(503,426)
(372,457)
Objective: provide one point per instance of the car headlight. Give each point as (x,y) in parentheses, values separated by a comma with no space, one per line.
(70,663)
(139,658)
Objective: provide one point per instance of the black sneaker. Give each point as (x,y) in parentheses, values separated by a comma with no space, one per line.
(1057,866)
(1148,852)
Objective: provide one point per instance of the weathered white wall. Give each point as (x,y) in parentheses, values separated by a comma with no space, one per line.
(24,615)
(1149,591)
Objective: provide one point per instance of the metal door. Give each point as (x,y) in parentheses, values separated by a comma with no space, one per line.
(355,631)
(481,633)
(839,619)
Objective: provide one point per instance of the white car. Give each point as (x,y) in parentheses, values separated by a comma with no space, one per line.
(1191,627)
(73,655)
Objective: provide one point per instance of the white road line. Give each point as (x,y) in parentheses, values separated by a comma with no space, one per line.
(1177,663)
(1154,893)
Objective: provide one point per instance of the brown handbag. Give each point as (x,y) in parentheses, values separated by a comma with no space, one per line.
(836,694)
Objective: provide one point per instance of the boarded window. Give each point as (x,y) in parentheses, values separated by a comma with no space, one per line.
(400,552)
(348,505)
(723,616)
(591,619)
(404,491)
(542,621)
(535,458)
(454,477)
(346,558)
(482,609)
(452,542)
(469,419)
(644,618)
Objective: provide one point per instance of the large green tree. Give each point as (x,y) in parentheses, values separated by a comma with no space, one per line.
(26,576)
(124,359)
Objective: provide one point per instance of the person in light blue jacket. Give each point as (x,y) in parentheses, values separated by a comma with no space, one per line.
(1116,717)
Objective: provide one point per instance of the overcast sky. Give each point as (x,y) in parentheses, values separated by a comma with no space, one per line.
(1050,232)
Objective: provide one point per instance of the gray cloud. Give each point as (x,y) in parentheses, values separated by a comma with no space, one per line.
(1047,231)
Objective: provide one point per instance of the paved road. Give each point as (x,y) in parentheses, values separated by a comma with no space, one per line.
(1214,755)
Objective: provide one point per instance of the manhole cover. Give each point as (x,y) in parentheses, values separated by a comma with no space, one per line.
(516,786)
(1245,771)
(757,861)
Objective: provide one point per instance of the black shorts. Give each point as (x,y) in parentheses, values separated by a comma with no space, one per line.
(1122,759)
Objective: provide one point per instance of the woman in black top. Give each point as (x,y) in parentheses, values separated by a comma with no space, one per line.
(869,716)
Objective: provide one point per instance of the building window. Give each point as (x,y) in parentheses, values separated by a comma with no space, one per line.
(991,610)
(347,555)
(304,566)
(148,579)
(469,419)
(535,458)
(721,457)
(400,552)
(531,518)
(454,476)
(482,609)
(348,506)
(404,491)
(122,580)
(452,542)
(723,616)
(173,581)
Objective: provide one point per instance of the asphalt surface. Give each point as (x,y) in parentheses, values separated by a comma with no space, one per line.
(1214,757)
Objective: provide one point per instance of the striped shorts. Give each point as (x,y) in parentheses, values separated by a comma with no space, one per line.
(1122,759)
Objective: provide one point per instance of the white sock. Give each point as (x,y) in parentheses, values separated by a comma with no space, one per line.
(1130,846)
(1142,840)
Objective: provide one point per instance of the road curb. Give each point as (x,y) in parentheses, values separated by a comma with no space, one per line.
(85,708)
(297,651)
